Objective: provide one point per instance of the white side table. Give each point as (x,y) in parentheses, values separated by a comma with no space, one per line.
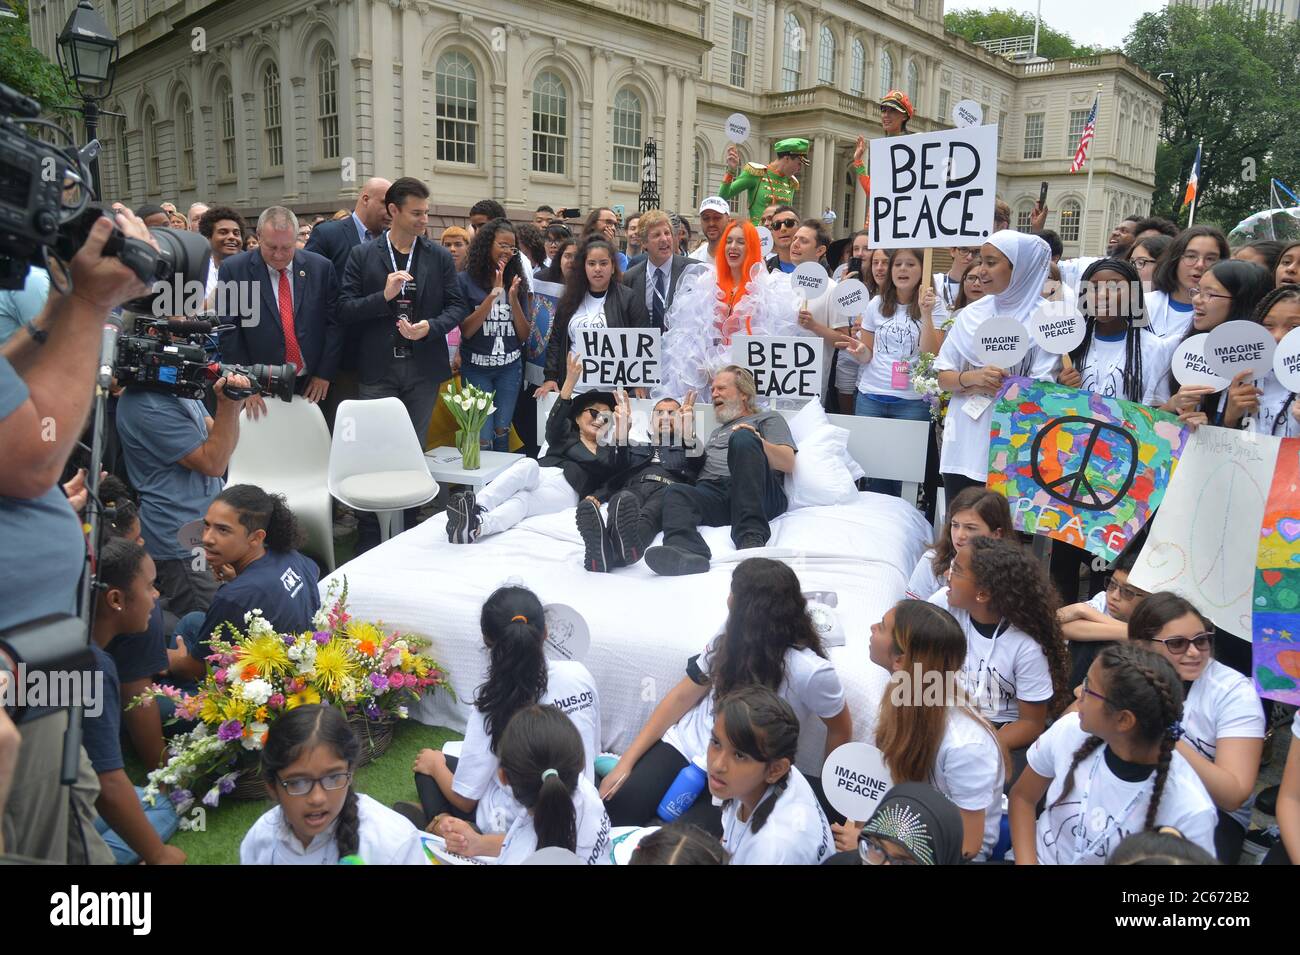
(445,466)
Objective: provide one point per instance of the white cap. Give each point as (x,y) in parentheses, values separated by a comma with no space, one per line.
(715,204)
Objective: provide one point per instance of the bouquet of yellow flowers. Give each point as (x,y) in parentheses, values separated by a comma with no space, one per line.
(256,674)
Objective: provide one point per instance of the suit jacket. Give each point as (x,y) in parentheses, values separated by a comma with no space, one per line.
(438,299)
(335,239)
(622,310)
(315,313)
(635,279)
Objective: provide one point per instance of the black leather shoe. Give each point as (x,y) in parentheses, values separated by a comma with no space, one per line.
(750,541)
(674,562)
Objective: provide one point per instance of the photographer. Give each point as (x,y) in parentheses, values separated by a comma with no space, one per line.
(175,457)
(42,415)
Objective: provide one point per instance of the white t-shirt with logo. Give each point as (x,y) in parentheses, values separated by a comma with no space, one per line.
(897,345)
(571,688)
(968,770)
(811,686)
(924,582)
(1166,321)
(1275,402)
(592,827)
(1000,670)
(1101,808)
(795,833)
(1222,704)
(384,838)
(1102,369)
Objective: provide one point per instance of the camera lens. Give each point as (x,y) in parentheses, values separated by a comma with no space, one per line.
(182,258)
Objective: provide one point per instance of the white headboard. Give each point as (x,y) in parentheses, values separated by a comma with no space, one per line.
(885,448)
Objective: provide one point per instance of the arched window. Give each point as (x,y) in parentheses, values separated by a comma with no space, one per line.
(792,53)
(627,136)
(185,119)
(826,57)
(327,102)
(886,72)
(274,139)
(1024,213)
(455,106)
(1071,219)
(914,84)
(550,123)
(153,171)
(226,97)
(697,178)
(858,71)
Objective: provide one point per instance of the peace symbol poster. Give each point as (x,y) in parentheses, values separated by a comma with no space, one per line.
(1276,617)
(1080,468)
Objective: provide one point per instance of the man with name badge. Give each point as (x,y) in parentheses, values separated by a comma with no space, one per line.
(654,279)
(765,185)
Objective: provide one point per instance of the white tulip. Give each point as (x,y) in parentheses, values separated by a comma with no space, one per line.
(482,403)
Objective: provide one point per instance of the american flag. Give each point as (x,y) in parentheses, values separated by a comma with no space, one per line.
(1090,127)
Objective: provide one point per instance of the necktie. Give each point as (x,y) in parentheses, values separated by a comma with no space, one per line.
(657,306)
(292,353)
(369,236)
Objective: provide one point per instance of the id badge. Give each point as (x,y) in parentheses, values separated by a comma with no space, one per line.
(901,376)
(976,405)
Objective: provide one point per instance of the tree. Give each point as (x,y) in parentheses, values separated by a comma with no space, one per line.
(1233,79)
(980,25)
(24,67)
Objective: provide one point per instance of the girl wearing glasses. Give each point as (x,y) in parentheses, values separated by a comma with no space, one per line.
(319,817)
(1263,404)
(1143,256)
(949,746)
(1111,769)
(1089,626)
(975,512)
(1223,720)
(914,824)
(1178,271)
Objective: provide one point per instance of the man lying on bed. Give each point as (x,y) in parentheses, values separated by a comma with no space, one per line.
(741,483)
(645,473)
(576,464)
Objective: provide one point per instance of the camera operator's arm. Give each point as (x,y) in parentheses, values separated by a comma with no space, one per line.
(9,743)
(39,432)
(120,808)
(212,457)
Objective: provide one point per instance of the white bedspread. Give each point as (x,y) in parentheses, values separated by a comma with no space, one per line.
(643,627)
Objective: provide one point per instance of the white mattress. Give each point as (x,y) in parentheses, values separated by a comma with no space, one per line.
(643,627)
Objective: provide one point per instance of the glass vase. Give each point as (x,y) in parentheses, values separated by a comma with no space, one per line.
(468,446)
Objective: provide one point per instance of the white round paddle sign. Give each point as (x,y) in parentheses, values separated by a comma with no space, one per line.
(1286,361)
(1002,341)
(765,239)
(190,536)
(737,127)
(1058,328)
(567,634)
(810,280)
(855,779)
(1190,368)
(850,298)
(1240,346)
(967,113)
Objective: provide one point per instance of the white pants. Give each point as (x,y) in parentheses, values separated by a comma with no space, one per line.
(523,490)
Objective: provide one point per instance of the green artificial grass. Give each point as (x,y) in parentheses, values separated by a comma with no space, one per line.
(387,779)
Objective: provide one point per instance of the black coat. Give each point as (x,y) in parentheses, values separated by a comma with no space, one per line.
(335,239)
(622,310)
(438,298)
(586,473)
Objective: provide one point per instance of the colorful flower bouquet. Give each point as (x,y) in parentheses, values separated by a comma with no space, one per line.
(256,675)
(471,407)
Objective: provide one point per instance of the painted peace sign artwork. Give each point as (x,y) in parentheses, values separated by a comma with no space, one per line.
(1079,467)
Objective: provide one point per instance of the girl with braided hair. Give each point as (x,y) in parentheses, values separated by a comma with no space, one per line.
(770,815)
(319,817)
(1017,670)
(1111,769)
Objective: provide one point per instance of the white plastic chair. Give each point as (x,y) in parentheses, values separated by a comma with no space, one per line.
(287,451)
(377,461)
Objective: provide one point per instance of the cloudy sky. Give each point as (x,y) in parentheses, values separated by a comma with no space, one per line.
(1104,22)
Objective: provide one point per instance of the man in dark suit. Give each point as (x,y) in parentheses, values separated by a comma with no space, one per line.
(335,238)
(286,309)
(401,293)
(654,278)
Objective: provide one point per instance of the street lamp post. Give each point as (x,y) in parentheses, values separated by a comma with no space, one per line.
(87,53)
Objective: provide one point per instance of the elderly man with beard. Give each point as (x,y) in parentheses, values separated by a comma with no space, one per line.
(740,483)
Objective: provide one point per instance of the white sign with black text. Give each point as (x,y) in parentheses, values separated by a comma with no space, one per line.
(619,357)
(783,367)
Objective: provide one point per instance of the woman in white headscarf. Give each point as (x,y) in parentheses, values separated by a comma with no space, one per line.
(1012,268)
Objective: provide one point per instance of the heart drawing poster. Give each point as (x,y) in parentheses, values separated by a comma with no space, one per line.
(1276,648)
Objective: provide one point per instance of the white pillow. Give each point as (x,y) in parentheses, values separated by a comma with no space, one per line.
(820,477)
(807,421)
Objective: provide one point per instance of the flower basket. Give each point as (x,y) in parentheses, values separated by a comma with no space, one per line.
(375,735)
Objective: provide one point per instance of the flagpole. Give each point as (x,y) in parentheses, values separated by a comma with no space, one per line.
(1087,202)
(1191,216)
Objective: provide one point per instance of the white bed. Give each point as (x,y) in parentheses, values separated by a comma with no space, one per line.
(644,627)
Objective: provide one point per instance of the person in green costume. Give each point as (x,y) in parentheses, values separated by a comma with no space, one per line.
(773,183)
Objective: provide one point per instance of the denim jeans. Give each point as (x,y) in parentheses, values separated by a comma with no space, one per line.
(906,410)
(505,381)
(161,816)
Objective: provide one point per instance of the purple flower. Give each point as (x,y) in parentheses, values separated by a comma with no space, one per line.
(212,798)
(288,639)
(373,712)
(322,637)
(180,796)
(379,682)
(230,730)
(226,783)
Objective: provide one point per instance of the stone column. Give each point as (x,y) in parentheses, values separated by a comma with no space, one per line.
(671,168)
(202,182)
(599,143)
(683,195)
(245,190)
(381,54)
(415,162)
(517,125)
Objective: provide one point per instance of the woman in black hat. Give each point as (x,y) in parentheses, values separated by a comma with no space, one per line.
(914,824)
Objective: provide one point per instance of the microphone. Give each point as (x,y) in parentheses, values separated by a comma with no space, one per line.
(108,350)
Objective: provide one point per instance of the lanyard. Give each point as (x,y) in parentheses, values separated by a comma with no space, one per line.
(410,262)
(1082,845)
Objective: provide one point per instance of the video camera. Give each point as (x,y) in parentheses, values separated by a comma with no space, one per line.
(176,357)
